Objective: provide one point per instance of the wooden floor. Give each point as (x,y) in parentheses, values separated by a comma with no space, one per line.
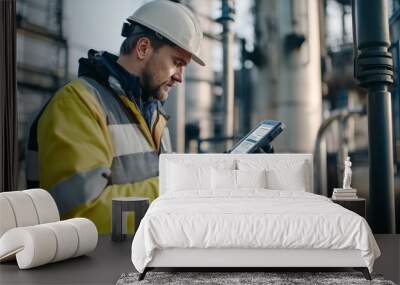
(110,260)
(389,262)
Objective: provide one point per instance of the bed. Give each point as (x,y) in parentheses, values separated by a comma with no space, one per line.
(246,211)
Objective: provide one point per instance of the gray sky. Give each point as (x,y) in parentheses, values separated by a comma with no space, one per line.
(95,24)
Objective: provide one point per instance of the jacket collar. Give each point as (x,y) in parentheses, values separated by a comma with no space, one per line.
(103,66)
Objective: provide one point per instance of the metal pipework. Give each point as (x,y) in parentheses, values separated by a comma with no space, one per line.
(226,20)
(374,71)
(320,175)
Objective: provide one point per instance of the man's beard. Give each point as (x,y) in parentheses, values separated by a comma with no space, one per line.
(149,92)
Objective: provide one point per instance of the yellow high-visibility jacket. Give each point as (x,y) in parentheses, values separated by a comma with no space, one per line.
(91,144)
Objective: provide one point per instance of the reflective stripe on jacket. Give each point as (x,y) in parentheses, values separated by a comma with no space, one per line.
(92,144)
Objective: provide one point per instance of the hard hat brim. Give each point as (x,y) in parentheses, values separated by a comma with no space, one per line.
(198,60)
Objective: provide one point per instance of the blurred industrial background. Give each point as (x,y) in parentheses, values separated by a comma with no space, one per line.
(290,60)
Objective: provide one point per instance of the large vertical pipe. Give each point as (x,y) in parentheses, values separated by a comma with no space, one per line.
(200,79)
(394,23)
(228,74)
(381,188)
(300,96)
(265,77)
(374,71)
(288,86)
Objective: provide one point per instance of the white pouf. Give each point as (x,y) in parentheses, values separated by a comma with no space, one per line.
(31,230)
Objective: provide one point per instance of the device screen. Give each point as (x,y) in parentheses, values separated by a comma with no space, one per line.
(253,138)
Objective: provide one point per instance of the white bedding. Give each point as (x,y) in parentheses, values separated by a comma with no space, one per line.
(251,218)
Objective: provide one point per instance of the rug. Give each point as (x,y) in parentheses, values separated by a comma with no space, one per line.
(243,278)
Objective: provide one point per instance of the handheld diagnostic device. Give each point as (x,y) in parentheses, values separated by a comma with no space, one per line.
(260,136)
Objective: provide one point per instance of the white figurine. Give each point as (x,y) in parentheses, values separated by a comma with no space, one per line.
(347,174)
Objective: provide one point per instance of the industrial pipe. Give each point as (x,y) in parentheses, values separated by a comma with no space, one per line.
(226,20)
(374,71)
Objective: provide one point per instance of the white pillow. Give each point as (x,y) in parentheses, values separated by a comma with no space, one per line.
(292,178)
(285,174)
(187,174)
(183,177)
(251,179)
(223,179)
(226,179)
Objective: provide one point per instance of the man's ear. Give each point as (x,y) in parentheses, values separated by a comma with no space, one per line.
(143,47)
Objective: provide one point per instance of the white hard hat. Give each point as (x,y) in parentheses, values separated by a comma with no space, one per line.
(173,21)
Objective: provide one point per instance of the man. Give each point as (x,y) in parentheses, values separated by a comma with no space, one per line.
(100,136)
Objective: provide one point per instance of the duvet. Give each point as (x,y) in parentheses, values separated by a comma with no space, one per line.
(251,218)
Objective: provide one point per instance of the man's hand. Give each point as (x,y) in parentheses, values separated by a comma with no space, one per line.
(265,149)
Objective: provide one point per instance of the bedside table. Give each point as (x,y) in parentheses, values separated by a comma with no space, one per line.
(358,205)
